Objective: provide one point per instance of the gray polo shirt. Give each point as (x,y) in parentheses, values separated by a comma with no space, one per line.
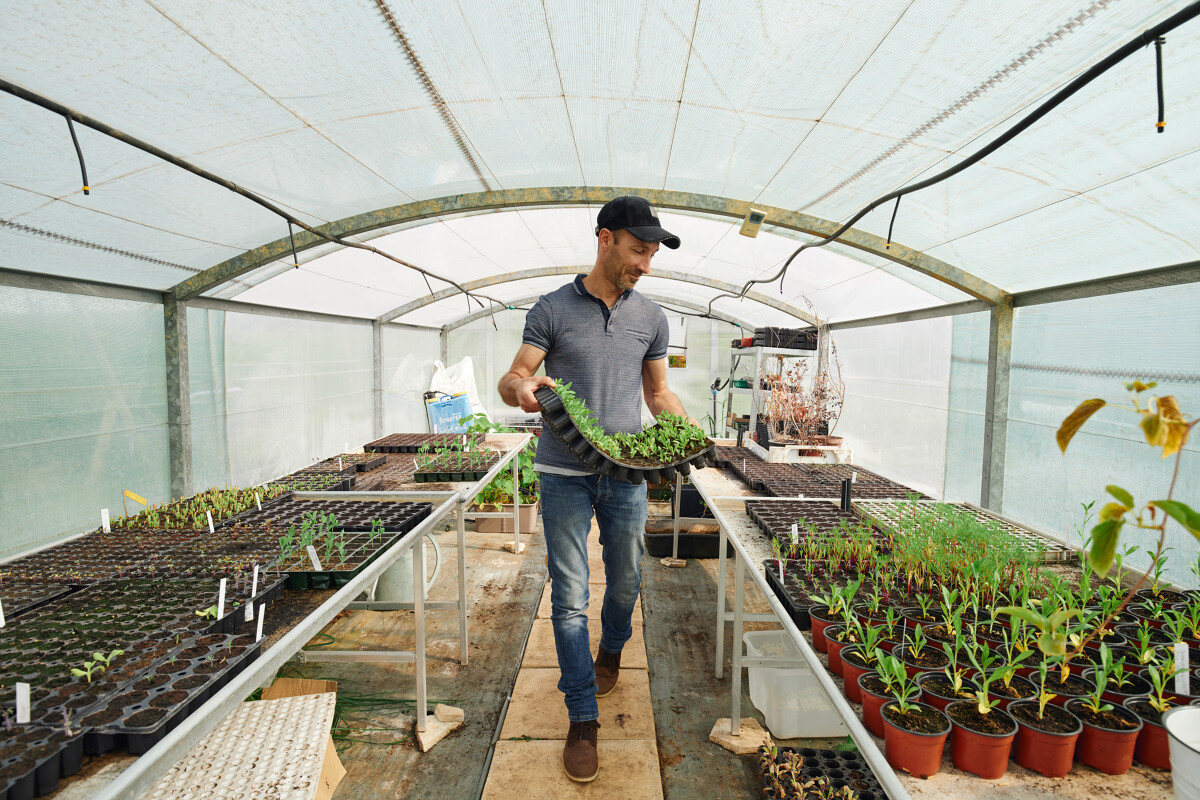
(599,351)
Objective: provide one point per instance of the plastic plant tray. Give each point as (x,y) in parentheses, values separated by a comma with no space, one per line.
(352,515)
(888,515)
(308,481)
(413,442)
(559,421)
(839,769)
(33,758)
(269,748)
(21,596)
(455,467)
(361,551)
(775,518)
(349,462)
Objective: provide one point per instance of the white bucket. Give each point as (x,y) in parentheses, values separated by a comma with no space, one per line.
(1183,732)
(396,582)
(791,700)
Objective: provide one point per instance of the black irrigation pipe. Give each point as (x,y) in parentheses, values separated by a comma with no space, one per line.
(83,167)
(107,130)
(1149,36)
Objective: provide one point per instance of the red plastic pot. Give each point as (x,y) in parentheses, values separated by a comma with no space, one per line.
(1106,749)
(1046,752)
(936,700)
(984,754)
(850,674)
(919,754)
(1017,680)
(1138,687)
(834,648)
(819,624)
(1153,747)
(872,702)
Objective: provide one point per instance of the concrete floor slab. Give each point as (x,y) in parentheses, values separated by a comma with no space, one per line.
(537,710)
(534,771)
(540,652)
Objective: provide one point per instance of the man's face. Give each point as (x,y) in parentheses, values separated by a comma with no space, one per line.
(628,259)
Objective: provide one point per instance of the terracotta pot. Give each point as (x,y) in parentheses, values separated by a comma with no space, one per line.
(940,701)
(919,754)
(984,754)
(872,702)
(1106,749)
(1046,752)
(819,624)
(850,673)
(914,669)
(1153,747)
(834,648)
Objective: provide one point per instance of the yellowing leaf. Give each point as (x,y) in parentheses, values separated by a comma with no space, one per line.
(1168,408)
(1116,491)
(1177,435)
(1113,511)
(1181,513)
(1074,421)
(1152,427)
(1104,545)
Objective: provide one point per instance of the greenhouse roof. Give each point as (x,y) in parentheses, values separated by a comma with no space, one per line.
(476,142)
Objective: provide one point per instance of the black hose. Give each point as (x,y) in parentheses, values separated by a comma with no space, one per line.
(888,244)
(1098,69)
(1162,106)
(88,189)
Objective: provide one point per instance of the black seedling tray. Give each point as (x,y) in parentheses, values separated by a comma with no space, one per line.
(691,545)
(449,477)
(413,442)
(839,768)
(309,481)
(35,758)
(353,515)
(798,613)
(21,596)
(555,415)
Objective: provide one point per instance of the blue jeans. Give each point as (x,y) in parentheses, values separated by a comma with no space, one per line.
(568,503)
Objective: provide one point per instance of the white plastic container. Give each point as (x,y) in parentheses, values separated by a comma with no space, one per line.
(1183,735)
(791,700)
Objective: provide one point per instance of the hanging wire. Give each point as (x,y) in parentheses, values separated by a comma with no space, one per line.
(1162,110)
(292,239)
(88,189)
(888,245)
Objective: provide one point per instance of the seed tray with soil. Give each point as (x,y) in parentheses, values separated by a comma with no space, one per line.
(308,481)
(97,557)
(18,596)
(454,466)
(340,564)
(830,769)
(352,515)
(34,758)
(775,518)
(349,462)
(635,470)
(412,442)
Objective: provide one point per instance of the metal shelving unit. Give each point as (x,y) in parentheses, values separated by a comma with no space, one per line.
(755,389)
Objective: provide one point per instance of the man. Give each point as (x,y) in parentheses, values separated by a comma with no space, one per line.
(607,341)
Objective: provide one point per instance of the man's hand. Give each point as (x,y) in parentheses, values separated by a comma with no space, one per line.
(525,387)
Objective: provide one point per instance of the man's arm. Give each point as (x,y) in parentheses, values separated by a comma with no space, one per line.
(518,384)
(659,396)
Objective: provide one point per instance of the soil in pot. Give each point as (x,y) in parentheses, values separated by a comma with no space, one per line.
(1016,689)
(874,695)
(1046,745)
(914,741)
(1152,747)
(1074,686)
(1108,738)
(981,742)
(931,660)
(938,691)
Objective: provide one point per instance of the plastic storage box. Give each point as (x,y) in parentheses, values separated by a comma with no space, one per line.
(792,701)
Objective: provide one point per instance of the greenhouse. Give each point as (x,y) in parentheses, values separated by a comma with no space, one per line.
(654,399)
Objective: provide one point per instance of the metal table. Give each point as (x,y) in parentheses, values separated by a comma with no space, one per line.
(739,530)
(148,768)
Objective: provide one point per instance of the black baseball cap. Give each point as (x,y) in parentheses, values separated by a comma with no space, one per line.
(636,215)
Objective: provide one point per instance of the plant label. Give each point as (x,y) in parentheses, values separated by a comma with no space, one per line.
(253,591)
(257,501)
(104,520)
(312,556)
(795,533)
(211,529)
(339,463)
(1182,679)
(22,703)
(854,477)
(221,599)
(261,615)
(1,613)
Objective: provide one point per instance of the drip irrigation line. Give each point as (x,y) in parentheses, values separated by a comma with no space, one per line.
(108,130)
(1150,35)
(888,244)
(88,190)
(1161,125)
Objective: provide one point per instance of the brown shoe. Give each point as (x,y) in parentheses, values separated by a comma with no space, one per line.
(580,759)
(608,667)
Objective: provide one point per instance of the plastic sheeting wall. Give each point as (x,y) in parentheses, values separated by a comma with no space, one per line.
(1064,353)
(895,413)
(492,352)
(408,356)
(968,406)
(82,412)
(271,395)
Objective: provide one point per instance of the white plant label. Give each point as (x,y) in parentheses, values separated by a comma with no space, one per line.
(339,463)
(312,556)
(781,571)
(257,501)
(104,520)
(261,615)
(22,703)
(211,529)
(1182,679)
(253,591)
(1,613)
(795,534)
(854,477)
(221,599)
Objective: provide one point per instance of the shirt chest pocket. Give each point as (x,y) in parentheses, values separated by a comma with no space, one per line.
(642,336)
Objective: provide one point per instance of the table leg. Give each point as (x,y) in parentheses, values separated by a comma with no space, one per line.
(419,615)
(463,640)
(721,604)
(739,596)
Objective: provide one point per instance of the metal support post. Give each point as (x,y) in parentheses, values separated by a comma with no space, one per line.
(721,560)
(739,604)
(516,507)
(179,396)
(463,644)
(419,616)
(678,498)
(377,370)
(995,430)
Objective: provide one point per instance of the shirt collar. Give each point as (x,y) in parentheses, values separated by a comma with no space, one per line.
(583,292)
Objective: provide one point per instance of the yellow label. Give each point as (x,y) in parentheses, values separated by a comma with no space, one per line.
(134,497)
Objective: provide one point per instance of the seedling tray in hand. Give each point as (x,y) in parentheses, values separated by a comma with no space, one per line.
(555,415)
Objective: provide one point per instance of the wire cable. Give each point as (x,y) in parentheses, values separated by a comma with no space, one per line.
(88,189)
(1098,69)
(1162,109)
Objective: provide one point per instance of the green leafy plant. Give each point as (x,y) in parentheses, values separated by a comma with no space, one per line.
(671,438)
(898,684)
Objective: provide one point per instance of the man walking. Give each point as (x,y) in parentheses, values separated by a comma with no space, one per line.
(608,342)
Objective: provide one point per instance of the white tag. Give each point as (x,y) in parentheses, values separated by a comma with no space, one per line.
(1,613)
(22,703)
(211,529)
(781,571)
(795,533)
(1183,684)
(249,615)
(800,495)
(339,463)
(854,477)
(221,599)
(261,615)
(257,502)
(312,555)
(104,520)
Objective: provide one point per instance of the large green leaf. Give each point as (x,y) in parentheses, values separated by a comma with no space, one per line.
(1125,497)
(1104,545)
(1071,425)
(1053,644)
(1181,513)
(1025,614)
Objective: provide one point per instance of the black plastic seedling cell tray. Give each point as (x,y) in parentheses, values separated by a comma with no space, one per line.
(837,769)
(34,758)
(352,515)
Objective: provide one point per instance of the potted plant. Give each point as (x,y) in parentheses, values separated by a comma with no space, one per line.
(860,659)
(498,495)
(1109,733)
(877,688)
(983,734)
(919,657)
(1046,734)
(914,734)
(1153,748)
